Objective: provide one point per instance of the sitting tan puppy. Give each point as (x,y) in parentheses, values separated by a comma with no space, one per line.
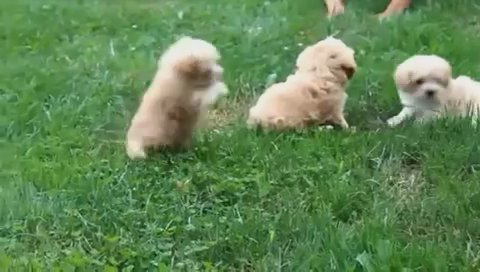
(187,81)
(313,95)
(428,91)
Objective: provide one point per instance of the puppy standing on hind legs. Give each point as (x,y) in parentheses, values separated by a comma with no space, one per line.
(428,91)
(187,82)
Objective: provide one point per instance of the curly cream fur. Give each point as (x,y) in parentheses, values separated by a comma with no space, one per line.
(314,94)
(188,80)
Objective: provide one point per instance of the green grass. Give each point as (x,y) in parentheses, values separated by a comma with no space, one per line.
(404,199)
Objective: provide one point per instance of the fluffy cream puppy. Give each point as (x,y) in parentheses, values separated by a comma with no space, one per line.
(188,80)
(313,95)
(427,91)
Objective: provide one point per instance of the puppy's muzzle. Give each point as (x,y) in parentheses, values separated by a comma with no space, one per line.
(349,71)
(430,93)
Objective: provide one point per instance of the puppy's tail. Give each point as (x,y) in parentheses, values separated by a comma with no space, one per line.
(135,150)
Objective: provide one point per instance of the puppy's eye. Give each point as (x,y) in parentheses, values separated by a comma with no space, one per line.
(419,81)
(333,56)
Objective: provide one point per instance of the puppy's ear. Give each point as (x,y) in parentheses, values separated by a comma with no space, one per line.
(446,77)
(402,77)
(193,68)
(347,63)
(305,60)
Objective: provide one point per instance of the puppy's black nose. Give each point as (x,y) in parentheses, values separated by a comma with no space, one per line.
(430,93)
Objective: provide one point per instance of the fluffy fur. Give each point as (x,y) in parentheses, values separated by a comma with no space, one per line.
(188,80)
(428,91)
(313,95)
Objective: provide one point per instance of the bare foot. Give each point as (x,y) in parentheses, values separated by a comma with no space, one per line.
(395,7)
(334,7)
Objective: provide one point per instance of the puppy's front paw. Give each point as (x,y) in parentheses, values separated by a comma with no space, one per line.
(222,88)
(252,123)
(340,121)
(325,128)
(136,151)
(213,94)
(391,122)
(344,124)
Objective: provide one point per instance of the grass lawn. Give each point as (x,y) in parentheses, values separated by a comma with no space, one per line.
(378,199)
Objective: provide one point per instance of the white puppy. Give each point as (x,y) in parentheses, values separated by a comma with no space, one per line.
(428,91)
(188,80)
